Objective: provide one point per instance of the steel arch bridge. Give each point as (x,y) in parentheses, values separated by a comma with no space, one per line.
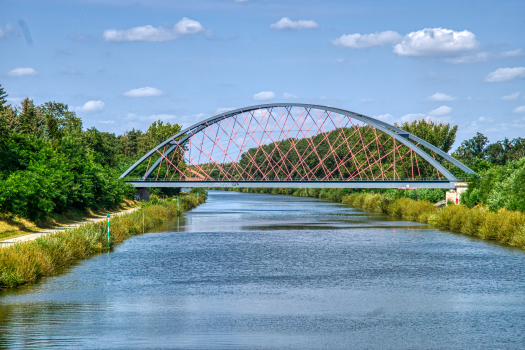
(294,145)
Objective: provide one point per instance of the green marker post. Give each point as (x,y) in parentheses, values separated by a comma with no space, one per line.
(143,224)
(197,197)
(108,229)
(178,210)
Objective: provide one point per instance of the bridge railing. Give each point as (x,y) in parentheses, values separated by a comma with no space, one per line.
(397,179)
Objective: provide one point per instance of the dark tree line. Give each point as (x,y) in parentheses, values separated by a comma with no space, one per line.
(479,152)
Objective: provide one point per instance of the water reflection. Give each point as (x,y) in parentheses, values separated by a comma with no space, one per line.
(263,271)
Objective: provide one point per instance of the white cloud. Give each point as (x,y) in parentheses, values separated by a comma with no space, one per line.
(439,114)
(476,57)
(138,121)
(20,72)
(149,33)
(107,121)
(287,23)
(143,92)
(414,116)
(340,60)
(441,97)
(288,95)
(436,41)
(9,31)
(91,107)
(387,118)
(505,74)
(514,53)
(14,100)
(224,110)
(511,96)
(485,120)
(482,124)
(241,0)
(440,111)
(366,40)
(163,117)
(483,56)
(367,100)
(264,95)
(520,109)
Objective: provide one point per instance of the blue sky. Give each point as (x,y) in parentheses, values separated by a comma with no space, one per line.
(124,64)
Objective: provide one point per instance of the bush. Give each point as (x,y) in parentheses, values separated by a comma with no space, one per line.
(499,186)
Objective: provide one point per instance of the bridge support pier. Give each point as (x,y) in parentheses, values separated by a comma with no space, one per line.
(143,193)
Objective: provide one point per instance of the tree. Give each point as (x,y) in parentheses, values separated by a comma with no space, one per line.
(472,150)
(499,152)
(130,143)
(441,135)
(3,100)
(518,148)
(157,133)
(105,146)
(59,120)
(8,117)
(30,120)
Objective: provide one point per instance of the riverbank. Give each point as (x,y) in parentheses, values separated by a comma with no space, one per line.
(26,262)
(75,224)
(17,227)
(504,226)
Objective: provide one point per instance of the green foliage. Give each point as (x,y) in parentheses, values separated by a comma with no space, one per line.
(502,152)
(344,152)
(441,135)
(59,121)
(3,99)
(30,122)
(432,195)
(38,178)
(498,187)
(134,144)
(105,146)
(49,164)
(480,154)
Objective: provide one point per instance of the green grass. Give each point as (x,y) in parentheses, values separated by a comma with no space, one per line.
(26,262)
(504,226)
(14,226)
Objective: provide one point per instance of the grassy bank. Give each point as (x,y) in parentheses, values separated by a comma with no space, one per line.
(26,262)
(11,227)
(504,226)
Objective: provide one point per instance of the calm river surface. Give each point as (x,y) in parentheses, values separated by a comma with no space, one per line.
(255,271)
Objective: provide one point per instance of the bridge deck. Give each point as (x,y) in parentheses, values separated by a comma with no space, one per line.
(299,184)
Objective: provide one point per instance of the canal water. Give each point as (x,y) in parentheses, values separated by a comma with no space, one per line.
(256,271)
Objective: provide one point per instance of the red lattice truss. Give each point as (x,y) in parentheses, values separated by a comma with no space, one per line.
(218,148)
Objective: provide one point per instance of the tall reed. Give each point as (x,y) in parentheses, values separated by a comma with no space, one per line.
(503,226)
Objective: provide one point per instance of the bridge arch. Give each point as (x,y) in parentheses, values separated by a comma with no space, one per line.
(275,132)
